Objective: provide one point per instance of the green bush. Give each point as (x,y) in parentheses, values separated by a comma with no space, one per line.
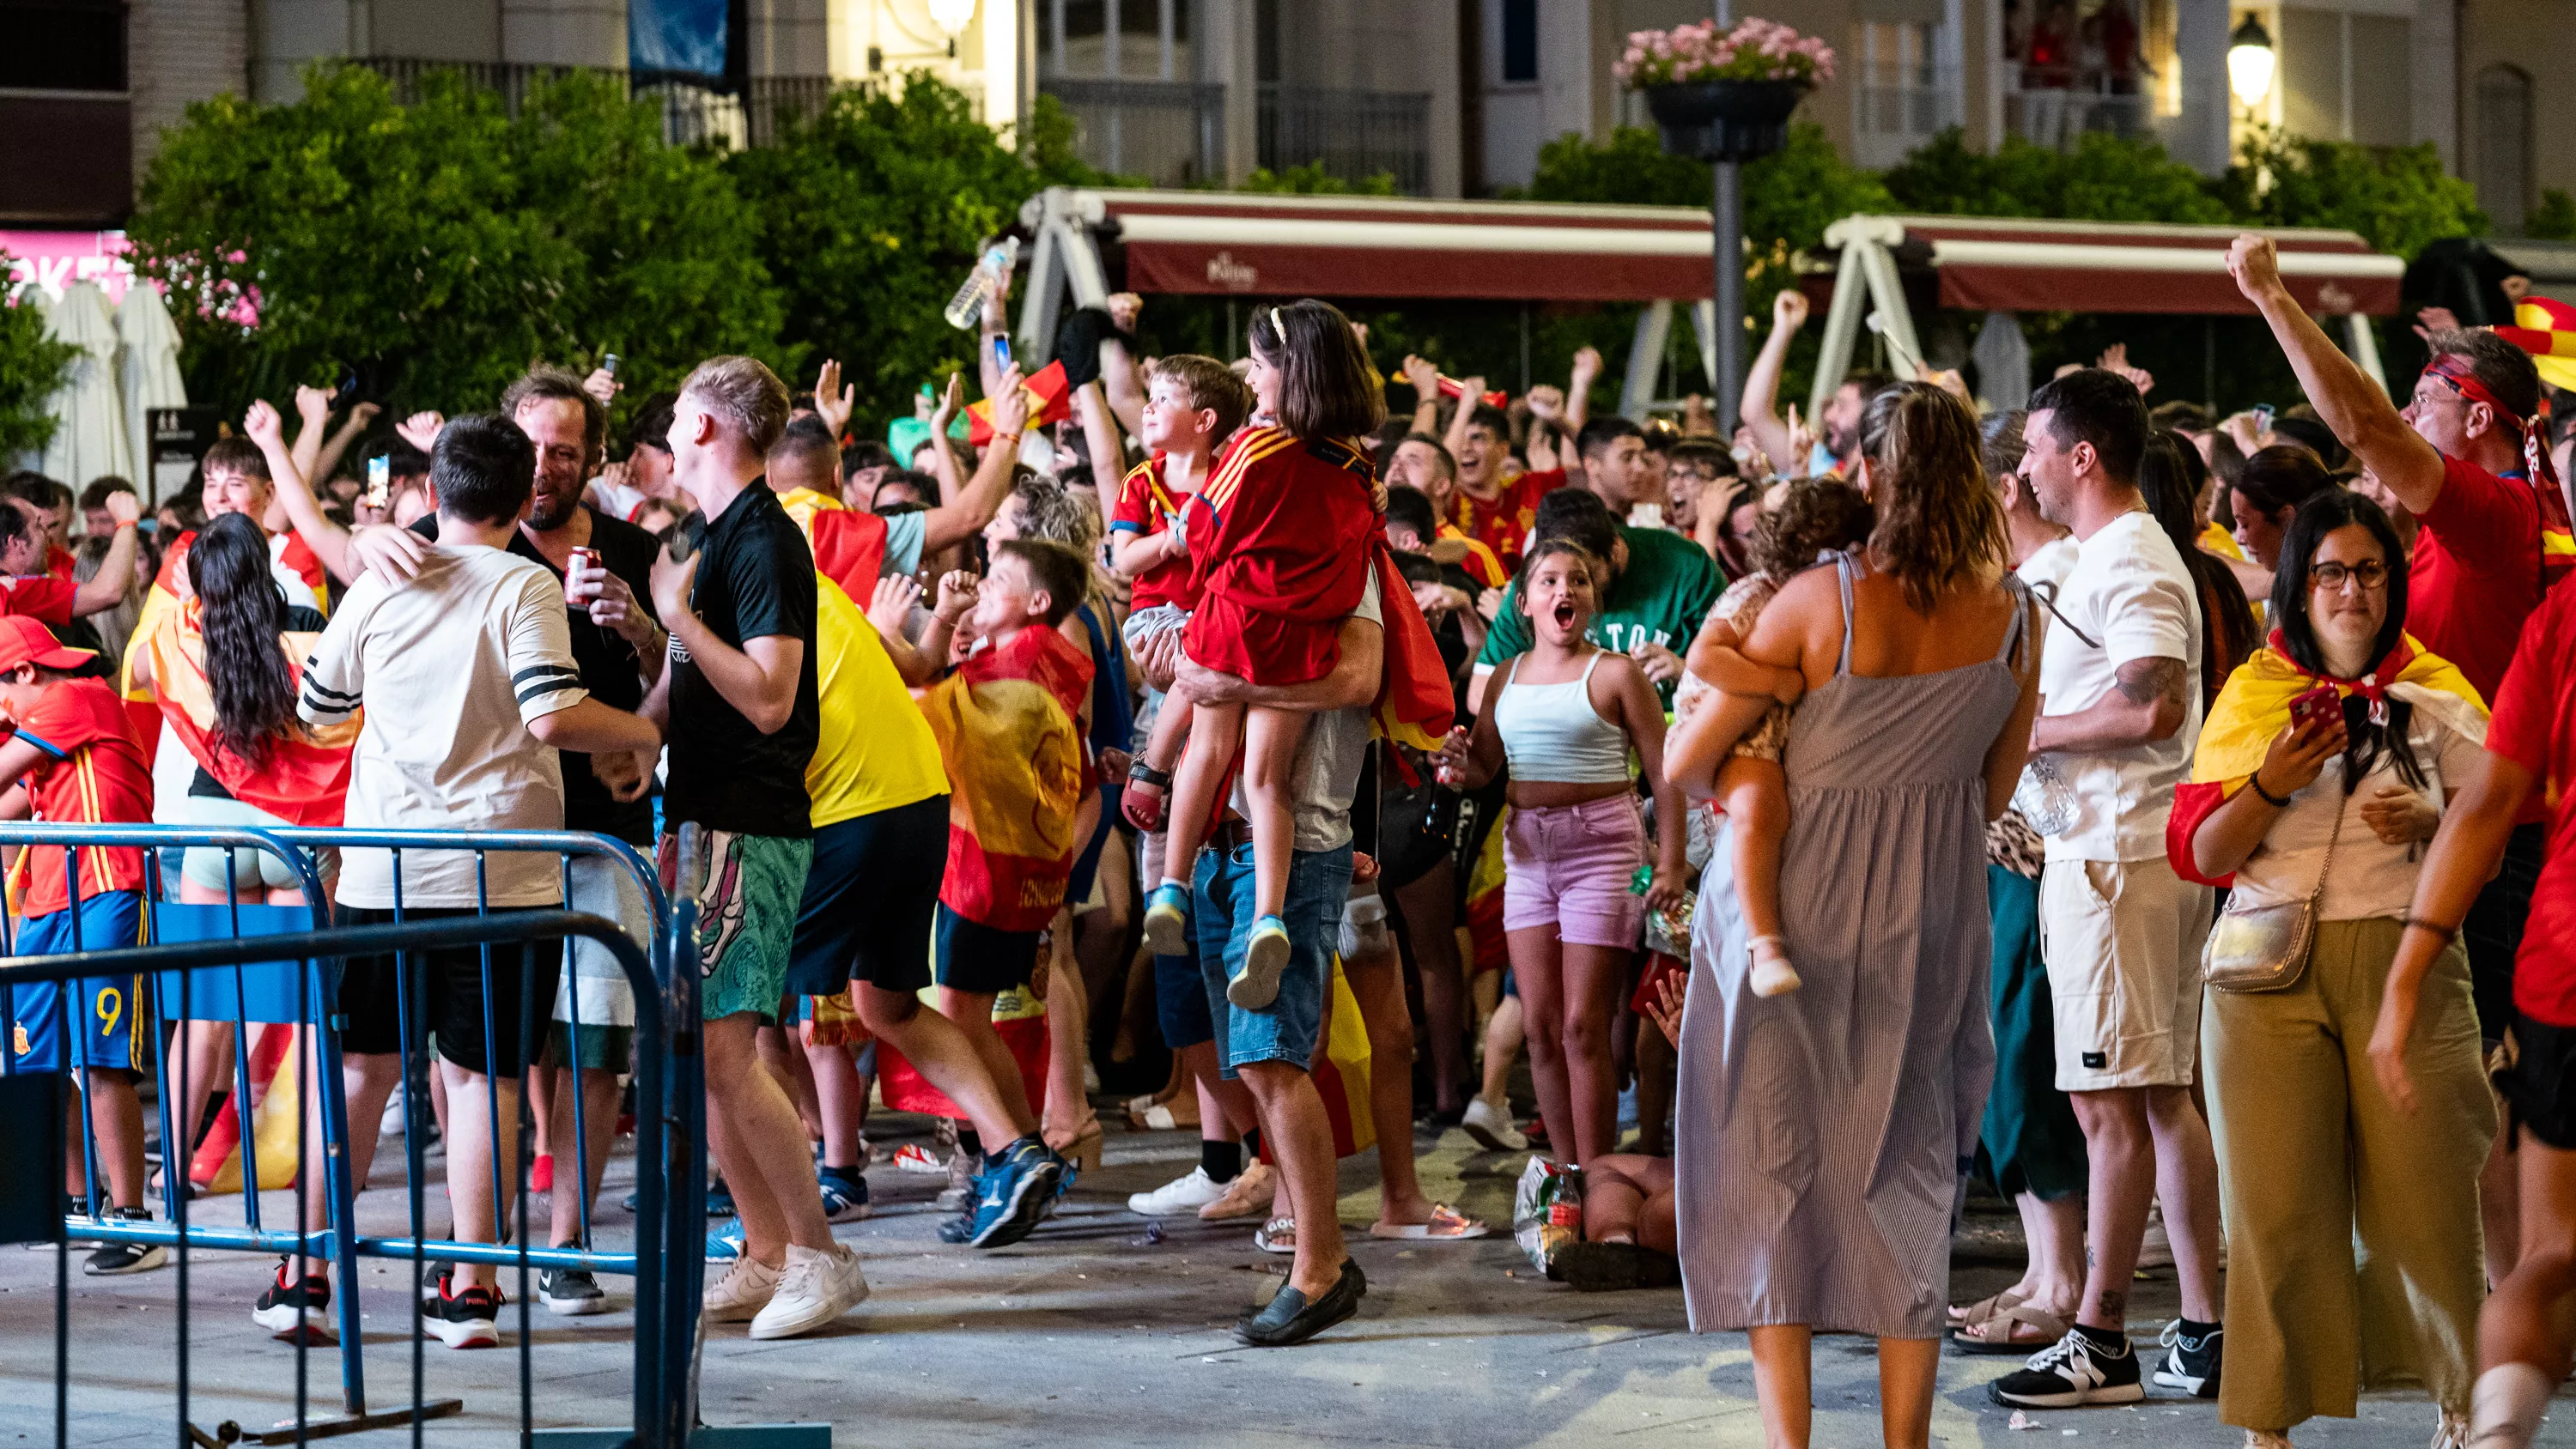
(32,367)
(2103,178)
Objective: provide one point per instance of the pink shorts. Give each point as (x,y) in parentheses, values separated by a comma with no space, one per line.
(1569,866)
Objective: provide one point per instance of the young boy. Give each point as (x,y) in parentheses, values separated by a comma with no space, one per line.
(1010,723)
(71,757)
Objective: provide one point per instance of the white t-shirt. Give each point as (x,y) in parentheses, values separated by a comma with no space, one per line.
(2369,879)
(450,667)
(2132,597)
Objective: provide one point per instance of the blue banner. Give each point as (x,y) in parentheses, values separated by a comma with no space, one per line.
(676,37)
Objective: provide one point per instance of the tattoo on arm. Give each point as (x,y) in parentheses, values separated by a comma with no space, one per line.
(2145,681)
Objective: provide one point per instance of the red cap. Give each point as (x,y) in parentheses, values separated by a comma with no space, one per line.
(28,641)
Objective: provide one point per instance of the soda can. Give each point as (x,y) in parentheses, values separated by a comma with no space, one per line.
(582,558)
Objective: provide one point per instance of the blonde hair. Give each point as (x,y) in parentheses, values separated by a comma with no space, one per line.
(744,392)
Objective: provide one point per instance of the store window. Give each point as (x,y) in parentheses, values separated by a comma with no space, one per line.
(1520,41)
(64,45)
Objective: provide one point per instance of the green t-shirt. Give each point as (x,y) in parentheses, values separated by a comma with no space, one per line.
(1662,597)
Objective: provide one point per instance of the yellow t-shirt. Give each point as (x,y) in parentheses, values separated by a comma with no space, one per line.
(2219,541)
(875,751)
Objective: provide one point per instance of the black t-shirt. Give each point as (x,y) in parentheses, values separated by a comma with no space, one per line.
(609,668)
(755,580)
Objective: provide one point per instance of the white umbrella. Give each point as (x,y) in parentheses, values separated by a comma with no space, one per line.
(150,373)
(90,438)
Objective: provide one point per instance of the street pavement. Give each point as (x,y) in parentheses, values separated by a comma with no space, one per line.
(1100,1330)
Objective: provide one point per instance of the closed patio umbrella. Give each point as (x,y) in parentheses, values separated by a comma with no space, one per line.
(149,374)
(91,437)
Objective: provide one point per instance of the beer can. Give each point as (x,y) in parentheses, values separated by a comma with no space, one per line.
(582,558)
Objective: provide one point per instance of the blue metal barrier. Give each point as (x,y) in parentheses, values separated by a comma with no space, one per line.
(236,975)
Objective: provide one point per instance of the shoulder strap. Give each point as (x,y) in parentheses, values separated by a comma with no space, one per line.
(1843,574)
(1593,664)
(2017,630)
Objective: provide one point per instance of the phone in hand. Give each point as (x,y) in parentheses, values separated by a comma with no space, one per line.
(380,482)
(2319,706)
(2262,419)
(1001,352)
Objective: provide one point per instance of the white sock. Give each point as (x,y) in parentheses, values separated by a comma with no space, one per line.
(2506,1406)
(1173,880)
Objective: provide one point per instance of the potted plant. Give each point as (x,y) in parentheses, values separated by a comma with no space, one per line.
(1724,95)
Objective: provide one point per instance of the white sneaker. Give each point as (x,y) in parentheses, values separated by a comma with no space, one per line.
(814,1288)
(1180,1195)
(1248,1196)
(1492,1127)
(744,1290)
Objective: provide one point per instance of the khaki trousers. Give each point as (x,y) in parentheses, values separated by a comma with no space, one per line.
(2352,1232)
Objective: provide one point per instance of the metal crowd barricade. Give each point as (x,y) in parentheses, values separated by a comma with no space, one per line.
(238,975)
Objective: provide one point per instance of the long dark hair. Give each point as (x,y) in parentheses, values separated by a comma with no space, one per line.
(1327,388)
(1938,524)
(2322,514)
(2170,474)
(240,612)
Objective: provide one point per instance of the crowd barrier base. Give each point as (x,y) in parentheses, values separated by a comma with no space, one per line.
(266,975)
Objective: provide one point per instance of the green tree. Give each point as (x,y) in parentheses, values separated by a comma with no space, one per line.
(871,212)
(2104,178)
(440,247)
(2397,197)
(32,367)
(2554,219)
(1311,179)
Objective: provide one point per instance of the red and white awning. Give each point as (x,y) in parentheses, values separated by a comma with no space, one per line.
(1990,265)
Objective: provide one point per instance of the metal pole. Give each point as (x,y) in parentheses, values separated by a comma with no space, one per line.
(1726,215)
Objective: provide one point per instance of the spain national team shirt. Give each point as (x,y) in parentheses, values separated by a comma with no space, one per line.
(45,598)
(93,772)
(2531,727)
(1145,508)
(1503,522)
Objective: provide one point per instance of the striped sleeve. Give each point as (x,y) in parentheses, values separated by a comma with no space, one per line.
(542,673)
(334,684)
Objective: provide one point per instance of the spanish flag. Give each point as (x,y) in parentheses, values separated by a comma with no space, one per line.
(848,545)
(2255,707)
(1050,399)
(2546,329)
(1008,732)
(305,778)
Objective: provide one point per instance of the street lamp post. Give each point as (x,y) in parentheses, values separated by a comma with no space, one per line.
(1726,225)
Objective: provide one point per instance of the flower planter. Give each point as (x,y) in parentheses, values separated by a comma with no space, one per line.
(1725,120)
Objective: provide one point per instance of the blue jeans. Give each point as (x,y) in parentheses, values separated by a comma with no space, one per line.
(1319,883)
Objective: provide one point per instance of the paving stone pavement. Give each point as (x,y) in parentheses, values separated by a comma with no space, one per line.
(1094,1332)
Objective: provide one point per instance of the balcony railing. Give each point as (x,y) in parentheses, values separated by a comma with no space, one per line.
(690,114)
(2057,116)
(1170,132)
(1354,135)
(1897,108)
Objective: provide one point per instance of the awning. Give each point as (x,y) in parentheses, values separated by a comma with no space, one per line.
(1352,246)
(1988,265)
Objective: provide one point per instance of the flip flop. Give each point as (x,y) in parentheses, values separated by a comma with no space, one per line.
(2050,1327)
(1279,1235)
(1447,1225)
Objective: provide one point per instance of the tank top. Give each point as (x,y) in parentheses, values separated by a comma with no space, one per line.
(1553,735)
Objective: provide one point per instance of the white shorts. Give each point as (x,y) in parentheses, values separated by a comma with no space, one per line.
(2122,941)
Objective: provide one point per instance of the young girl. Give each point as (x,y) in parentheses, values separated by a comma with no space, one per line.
(1293,518)
(1816,515)
(1565,716)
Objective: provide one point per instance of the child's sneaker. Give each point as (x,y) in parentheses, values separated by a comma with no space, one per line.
(471,1319)
(1772,973)
(845,1194)
(295,1309)
(913,1157)
(113,1259)
(1167,920)
(1266,955)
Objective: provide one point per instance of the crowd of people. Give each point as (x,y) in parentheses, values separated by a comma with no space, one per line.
(2151,814)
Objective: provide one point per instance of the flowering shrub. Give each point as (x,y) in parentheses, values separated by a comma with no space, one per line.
(1756,49)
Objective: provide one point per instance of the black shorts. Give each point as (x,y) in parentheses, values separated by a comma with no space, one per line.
(983,959)
(2542,1085)
(447,996)
(869,896)
(2492,931)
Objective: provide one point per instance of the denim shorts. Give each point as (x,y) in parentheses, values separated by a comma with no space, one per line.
(1319,883)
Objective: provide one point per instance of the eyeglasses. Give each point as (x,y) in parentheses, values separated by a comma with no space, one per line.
(2331,577)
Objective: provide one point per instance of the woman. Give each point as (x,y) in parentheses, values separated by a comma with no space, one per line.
(2268,490)
(1818,1156)
(2312,1155)
(2170,476)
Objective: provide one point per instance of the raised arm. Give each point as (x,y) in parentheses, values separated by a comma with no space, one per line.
(1464,415)
(2344,396)
(337,446)
(965,515)
(328,540)
(106,588)
(313,406)
(1578,392)
(1761,402)
(1424,378)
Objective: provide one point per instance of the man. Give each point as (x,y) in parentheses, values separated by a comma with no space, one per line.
(96,520)
(1838,445)
(1421,463)
(1496,514)
(864,465)
(466,677)
(1616,465)
(740,698)
(2120,716)
(2466,462)
(853,543)
(1692,466)
(48,505)
(28,587)
(1660,589)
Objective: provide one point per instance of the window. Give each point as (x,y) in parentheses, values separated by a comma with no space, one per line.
(1520,41)
(2504,145)
(63,45)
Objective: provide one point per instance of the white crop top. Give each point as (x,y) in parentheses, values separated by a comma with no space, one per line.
(1553,735)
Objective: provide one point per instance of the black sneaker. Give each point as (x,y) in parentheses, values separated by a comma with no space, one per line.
(296,1309)
(571,1292)
(470,1319)
(112,1259)
(433,1282)
(2191,1364)
(2070,1373)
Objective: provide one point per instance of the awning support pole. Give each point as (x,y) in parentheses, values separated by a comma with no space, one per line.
(1842,326)
(2365,347)
(1645,360)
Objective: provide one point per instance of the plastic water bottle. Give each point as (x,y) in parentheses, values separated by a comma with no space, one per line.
(967,307)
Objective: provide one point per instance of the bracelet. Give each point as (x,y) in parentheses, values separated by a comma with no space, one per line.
(2418,923)
(2256,780)
(1006,439)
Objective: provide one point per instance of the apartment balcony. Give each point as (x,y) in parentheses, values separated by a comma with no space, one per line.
(690,114)
(2058,116)
(1896,109)
(1170,132)
(66,118)
(1355,135)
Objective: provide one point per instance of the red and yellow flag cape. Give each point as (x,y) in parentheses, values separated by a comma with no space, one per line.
(1008,731)
(304,780)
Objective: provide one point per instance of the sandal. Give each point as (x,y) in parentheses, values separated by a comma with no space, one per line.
(2048,1328)
(1279,1235)
(1146,792)
(1447,1225)
(1985,1308)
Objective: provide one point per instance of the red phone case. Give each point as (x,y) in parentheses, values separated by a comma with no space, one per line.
(2322,702)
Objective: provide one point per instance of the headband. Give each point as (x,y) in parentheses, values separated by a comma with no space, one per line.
(1277,327)
(2454,368)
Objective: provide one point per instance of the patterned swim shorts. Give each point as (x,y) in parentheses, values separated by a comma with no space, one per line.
(747,899)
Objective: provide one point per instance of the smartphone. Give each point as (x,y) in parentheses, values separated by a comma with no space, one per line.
(2317,706)
(1001,352)
(609,363)
(2262,419)
(346,392)
(380,482)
